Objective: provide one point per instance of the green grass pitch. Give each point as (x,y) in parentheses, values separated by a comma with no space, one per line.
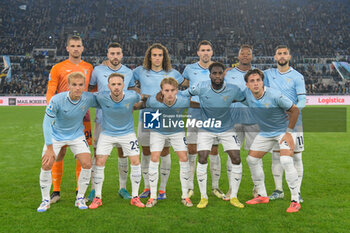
(325,190)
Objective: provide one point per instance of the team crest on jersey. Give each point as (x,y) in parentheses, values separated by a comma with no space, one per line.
(83,108)
(267,105)
(127,105)
(288,80)
(85,71)
(225,97)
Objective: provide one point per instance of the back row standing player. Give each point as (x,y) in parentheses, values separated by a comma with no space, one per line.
(156,67)
(245,126)
(194,74)
(99,77)
(58,83)
(291,83)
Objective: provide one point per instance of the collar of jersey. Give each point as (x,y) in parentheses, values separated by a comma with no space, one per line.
(289,70)
(221,90)
(172,104)
(263,93)
(244,72)
(116,101)
(156,71)
(71,101)
(116,69)
(201,66)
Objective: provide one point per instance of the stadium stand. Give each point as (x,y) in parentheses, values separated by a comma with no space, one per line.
(316,31)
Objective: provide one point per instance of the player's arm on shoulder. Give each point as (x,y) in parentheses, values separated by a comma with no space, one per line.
(134,88)
(91,87)
(52,83)
(142,103)
(185,84)
(228,69)
(239,95)
(194,104)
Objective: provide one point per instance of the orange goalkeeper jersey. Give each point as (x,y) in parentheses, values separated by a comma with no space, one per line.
(58,80)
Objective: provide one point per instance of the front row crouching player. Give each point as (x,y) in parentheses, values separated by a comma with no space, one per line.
(270,106)
(170,111)
(215,97)
(117,130)
(63,126)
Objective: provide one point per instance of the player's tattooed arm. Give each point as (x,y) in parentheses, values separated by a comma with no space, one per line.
(91,87)
(134,88)
(142,103)
(194,104)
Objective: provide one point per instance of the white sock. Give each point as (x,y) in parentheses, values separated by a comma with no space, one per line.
(277,170)
(45,181)
(257,174)
(236,177)
(165,166)
(202,179)
(298,164)
(215,170)
(144,169)
(229,170)
(123,167)
(153,178)
(99,176)
(135,177)
(192,161)
(93,170)
(83,181)
(184,178)
(291,176)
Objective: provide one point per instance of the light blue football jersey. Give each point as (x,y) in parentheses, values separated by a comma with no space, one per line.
(195,74)
(240,113)
(68,116)
(290,83)
(171,115)
(100,76)
(117,118)
(150,81)
(269,111)
(215,104)
(101,73)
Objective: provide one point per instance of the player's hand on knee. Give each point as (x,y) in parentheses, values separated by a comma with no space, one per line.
(289,140)
(48,159)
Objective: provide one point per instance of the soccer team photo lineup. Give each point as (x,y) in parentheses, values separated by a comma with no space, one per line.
(175,116)
(194,112)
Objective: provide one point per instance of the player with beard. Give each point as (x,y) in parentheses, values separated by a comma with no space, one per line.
(58,83)
(193,74)
(291,83)
(99,77)
(215,97)
(117,129)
